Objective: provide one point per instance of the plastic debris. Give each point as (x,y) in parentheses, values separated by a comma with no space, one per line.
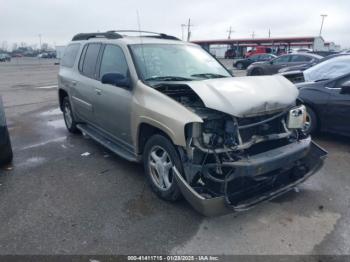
(85,154)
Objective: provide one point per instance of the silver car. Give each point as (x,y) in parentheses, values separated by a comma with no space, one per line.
(224,143)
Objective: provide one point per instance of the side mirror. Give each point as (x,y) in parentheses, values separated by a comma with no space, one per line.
(115,79)
(345,88)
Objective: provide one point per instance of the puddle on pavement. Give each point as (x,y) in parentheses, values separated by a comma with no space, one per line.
(57,123)
(52,112)
(32,162)
(47,87)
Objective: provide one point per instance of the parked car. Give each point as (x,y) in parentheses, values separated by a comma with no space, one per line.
(258,50)
(244,63)
(271,67)
(5,143)
(230,54)
(326,68)
(327,105)
(5,58)
(303,67)
(225,143)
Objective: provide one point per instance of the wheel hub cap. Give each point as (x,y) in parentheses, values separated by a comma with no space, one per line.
(160,166)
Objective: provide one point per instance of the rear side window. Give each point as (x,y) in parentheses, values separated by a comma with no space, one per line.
(300,58)
(90,60)
(113,61)
(282,59)
(70,54)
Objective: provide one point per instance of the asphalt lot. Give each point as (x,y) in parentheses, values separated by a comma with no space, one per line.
(53,200)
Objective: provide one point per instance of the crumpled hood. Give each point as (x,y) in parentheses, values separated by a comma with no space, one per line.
(246,96)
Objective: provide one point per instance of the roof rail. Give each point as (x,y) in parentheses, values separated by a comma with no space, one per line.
(153,34)
(87,36)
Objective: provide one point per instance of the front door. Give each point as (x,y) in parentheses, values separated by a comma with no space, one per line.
(339,108)
(113,103)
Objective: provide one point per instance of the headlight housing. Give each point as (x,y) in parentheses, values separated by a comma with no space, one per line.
(296,117)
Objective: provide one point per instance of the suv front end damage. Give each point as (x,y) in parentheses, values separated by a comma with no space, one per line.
(232,164)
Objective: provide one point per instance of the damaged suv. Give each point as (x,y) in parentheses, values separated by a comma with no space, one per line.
(224,143)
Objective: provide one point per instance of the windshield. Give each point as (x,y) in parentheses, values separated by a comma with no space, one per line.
(328,69)
(174,62)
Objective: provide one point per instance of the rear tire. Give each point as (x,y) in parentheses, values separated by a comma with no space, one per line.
(159,157)
(257,72)
(68,116)
(6,154)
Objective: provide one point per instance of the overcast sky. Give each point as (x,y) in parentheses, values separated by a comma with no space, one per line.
(58,21)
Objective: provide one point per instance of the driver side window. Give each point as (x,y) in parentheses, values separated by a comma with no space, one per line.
(113,61)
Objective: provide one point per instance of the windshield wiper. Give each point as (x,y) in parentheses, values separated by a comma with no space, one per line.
(322,79)
(168,78)
(209,75)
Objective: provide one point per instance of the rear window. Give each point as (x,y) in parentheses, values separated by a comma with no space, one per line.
(70,54)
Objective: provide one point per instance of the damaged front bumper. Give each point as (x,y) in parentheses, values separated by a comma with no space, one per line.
(284,168)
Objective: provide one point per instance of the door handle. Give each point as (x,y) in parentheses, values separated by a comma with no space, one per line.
(98,91)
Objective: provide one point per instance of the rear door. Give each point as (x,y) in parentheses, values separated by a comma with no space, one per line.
(299,60)
(84,87)
(338,108)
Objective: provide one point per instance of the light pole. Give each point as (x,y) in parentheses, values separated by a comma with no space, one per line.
(39,41)
(230,31)
(323,17)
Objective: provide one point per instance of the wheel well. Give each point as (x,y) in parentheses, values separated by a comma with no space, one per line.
(61,94)
(146,131)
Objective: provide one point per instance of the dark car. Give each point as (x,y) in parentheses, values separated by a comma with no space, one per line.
(303,67)
(244,63)
(5,58)
(271,67)
(328,67)
(230,53)
(327,105)
(5,144)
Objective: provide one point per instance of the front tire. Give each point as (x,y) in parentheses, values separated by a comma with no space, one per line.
(239,66)
(68,116)
(257,72)
(159,156)
(311,124)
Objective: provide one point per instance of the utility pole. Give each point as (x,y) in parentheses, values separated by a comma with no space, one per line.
(229,32)
(323,17)
(269,33)
(253,35)
(189,30)
(39,41)
(182,31)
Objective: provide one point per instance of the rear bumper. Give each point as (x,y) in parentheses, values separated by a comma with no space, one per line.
(306,152)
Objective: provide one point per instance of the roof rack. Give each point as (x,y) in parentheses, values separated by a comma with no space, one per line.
(115,34)
(87,36)
(153,34)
